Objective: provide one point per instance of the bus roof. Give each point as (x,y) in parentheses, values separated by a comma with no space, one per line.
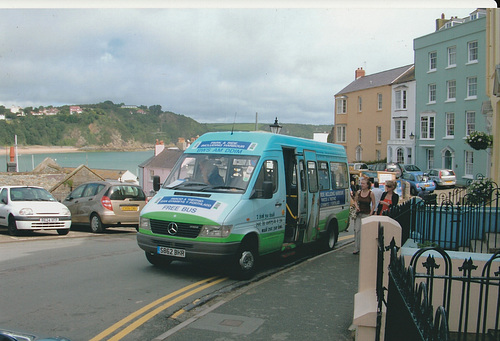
(255,143)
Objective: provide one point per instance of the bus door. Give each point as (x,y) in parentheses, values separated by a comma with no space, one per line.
(310,195)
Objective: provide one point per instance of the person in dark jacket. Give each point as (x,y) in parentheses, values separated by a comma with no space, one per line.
(389,198)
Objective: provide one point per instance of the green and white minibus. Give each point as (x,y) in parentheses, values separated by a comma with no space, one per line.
(235,196)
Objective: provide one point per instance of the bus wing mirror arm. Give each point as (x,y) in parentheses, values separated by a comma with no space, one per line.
(156,183)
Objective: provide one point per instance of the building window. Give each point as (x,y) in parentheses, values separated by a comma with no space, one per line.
(472,51)
(471,87)
(427,127)
(432,93)
(359,153)
(432,61)
(359,135)
(379,134)
(400,99)
(379,99)
(450,124)
(470,122)
(400,129)
(341,105)
(452,56)
(429,155)
(360,104)
(340,135)
(451,90)
(469,163)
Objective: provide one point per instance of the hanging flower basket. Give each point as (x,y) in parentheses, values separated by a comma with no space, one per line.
(479,140)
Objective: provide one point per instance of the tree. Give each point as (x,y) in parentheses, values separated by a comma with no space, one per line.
(155,109)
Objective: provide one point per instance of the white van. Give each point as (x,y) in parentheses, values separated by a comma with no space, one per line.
(237,196)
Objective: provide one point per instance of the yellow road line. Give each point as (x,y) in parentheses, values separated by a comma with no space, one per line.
(130,317)
(155,312)
(346,237)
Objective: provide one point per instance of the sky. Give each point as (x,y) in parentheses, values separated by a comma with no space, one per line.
(213,64)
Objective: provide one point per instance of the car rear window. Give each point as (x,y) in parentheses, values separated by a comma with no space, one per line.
(123,192)
(447,172)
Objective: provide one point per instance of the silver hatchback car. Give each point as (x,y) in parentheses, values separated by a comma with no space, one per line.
(102,204)
(443,177)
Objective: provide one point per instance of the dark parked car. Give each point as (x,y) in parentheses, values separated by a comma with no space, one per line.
(410,168)
(106,203)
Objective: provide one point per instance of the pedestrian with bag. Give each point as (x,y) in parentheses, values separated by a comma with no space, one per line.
(364,201)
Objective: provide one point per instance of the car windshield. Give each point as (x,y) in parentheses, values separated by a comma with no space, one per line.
(412,168)
(30,194)
(212,173)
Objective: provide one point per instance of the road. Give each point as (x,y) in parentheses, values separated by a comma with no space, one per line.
(79,286)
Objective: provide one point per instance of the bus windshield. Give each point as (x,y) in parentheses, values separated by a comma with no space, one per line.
(212,173)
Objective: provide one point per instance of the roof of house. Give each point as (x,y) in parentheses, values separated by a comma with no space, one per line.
(375,80)
(166,159)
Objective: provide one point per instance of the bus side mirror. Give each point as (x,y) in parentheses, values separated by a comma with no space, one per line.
(156,183)
(264,192)
(267,190)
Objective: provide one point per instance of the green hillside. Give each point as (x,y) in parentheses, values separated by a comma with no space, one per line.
(115,126)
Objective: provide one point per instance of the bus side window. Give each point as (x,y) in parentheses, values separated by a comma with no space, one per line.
(339,175)
(324,179)
(312,174)
(268,173)
(302,174)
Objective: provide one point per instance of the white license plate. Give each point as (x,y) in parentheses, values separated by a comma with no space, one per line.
(49,220)
(168,251)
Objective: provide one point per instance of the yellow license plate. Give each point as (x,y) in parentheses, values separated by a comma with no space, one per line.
(129,208)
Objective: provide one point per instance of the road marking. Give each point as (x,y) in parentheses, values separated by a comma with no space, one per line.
(346,237)
(198,287)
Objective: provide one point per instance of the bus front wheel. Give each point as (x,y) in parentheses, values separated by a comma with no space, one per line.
(245,261)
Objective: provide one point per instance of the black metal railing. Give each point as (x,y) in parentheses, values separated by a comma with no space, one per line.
(472,297)
(471,223)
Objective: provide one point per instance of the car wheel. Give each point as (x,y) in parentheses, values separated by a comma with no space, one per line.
(436,185)
(96,225)
(63,232)
(158,260)
(13,231)
(245,261)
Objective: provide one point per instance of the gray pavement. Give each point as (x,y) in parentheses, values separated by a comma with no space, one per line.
(313,300)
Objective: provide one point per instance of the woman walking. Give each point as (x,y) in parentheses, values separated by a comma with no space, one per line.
(364,202)
(389,198)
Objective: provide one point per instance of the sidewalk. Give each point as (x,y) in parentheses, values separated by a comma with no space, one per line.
(313,300)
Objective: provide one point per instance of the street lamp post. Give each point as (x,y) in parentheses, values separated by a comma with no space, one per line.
(275,127)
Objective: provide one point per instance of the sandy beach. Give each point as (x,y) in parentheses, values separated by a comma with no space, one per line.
(28,150)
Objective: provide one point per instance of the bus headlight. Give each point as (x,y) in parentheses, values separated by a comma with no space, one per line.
(219,231)
(144,224)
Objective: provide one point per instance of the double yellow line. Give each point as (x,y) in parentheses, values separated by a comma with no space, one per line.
(177,296)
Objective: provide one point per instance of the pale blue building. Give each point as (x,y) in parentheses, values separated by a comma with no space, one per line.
(450,71)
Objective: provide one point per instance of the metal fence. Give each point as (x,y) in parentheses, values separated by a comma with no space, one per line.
(463,222)
(429,281)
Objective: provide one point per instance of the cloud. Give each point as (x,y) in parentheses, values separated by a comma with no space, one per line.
(208,64)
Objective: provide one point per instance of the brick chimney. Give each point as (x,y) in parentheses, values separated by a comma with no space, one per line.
(359,73)
(159,147)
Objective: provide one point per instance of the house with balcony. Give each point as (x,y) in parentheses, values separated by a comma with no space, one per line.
(450,69)
(363,114)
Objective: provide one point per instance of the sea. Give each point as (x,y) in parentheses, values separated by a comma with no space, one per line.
(95,160)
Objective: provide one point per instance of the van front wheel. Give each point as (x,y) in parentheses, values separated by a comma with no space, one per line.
(245,261)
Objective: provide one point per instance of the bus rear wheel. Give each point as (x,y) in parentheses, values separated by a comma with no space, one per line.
(332,236)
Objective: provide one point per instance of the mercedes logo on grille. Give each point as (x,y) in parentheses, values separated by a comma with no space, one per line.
(173,228)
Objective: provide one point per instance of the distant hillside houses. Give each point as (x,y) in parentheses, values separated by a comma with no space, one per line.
(46,112)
